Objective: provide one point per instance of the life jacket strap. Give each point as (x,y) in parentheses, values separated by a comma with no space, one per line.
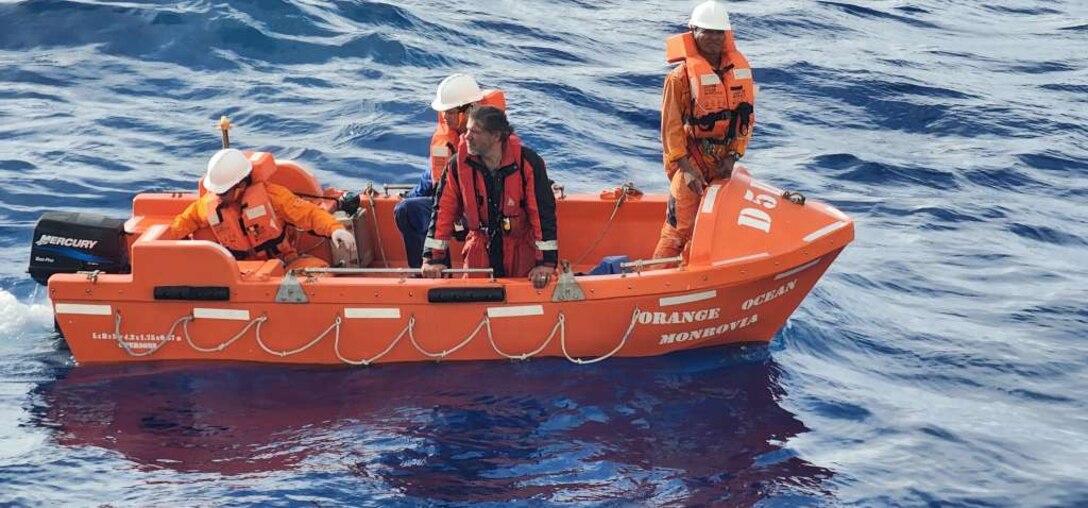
(707,122)
(743,117)
(271,247)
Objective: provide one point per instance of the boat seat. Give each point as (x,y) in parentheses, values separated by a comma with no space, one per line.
(295,178)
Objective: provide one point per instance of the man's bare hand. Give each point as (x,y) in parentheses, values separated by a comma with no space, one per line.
(432,271)
(692,178)
(540,275)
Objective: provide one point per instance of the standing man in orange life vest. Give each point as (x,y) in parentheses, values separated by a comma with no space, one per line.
(706,117)
(501,190)
(456,96)
(250,216)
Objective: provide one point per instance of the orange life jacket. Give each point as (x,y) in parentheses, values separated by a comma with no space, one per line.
(445,140)
(520,253)
(722,101)
(249,229)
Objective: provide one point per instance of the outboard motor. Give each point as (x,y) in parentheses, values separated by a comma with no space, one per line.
(70,242)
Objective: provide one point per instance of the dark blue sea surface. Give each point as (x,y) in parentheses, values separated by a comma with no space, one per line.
(943,360)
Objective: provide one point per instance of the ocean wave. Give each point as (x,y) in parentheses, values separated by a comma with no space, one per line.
(947,333)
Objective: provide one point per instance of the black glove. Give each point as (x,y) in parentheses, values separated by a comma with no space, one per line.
(349,203)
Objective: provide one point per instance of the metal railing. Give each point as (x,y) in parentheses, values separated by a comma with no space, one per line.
(637,265)
(397,271)
(396,187)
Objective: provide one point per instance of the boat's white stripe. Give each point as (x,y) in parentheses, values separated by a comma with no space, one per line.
(836,212)
(130,225)
(723,262)
(799,269)
(765,187)
(824,231)
(231,314)
(710,198)
(84,309)
(155,232)
(523,310)
(689,298)
(371,313)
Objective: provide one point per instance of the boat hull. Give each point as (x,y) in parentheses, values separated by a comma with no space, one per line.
(397,324)
(190,300)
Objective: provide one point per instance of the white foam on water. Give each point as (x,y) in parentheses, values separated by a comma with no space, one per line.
(18,318)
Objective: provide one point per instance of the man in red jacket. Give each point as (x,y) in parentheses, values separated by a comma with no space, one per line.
(456,95)
(502,191)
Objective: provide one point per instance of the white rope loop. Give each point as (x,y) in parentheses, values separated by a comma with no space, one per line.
(283,354)
(560,323)
(188,338)
(139,354)
(366,362)
(623,341)
(560,327)
(443,354)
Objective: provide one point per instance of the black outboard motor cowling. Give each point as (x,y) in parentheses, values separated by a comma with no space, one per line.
(70,242)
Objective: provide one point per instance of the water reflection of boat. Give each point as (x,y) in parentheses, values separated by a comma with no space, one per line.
(692,428)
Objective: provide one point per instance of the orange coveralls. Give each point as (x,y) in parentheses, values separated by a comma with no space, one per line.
(285,204)
(683,203)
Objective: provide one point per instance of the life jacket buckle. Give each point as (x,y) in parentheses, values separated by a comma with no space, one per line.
(460,233)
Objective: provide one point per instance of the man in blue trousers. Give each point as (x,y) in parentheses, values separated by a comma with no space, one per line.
(456,96)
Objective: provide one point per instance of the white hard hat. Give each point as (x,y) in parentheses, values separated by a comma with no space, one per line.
(456,91)
(225,169)
(710,15)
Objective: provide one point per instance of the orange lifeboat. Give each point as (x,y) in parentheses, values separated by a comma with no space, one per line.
(753,258)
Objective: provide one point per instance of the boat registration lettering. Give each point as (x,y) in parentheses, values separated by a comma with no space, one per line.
(679,317)
(769,295)
(137,340)
(757,218)
(708,332)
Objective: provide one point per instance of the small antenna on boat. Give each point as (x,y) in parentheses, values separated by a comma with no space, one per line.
(224,127)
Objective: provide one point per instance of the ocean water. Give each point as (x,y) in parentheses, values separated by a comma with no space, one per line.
(941,361)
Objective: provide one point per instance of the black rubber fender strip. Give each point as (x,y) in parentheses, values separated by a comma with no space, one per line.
(203,293)
(466,295)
